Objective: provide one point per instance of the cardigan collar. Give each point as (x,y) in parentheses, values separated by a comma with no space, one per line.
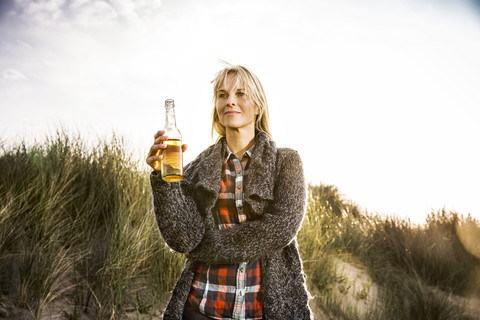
(207,172)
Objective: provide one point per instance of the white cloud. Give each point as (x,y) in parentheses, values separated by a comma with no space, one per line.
(92,12)
(40,11)
(12,75)
(87,12)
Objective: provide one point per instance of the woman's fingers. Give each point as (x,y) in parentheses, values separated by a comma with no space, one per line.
(156,150)
(158,134)
(152,159)
(155,154)
(160,139)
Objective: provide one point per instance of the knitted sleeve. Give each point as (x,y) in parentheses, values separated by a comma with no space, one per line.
(259,238)
(178,219)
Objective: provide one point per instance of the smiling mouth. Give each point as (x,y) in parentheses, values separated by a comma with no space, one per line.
(229,113)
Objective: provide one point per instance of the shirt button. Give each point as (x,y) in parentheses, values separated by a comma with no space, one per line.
(241,269)
(240,293)
(240,206)
(239,187)
(238,171)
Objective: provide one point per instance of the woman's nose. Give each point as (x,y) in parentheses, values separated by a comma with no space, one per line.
(232,100)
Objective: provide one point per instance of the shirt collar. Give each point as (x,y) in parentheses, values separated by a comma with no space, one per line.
(229,153)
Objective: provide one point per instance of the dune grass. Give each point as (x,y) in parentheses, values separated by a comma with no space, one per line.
(79,218)
(77,221)
(416,266)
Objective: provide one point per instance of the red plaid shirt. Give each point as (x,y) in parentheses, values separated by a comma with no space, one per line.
(229,291)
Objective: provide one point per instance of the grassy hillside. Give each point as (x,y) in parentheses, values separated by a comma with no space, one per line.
(418,268)
(78,240)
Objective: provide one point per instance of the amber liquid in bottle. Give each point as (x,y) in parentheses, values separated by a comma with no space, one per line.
(171,166)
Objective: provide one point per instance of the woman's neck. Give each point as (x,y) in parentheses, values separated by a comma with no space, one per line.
(239,141)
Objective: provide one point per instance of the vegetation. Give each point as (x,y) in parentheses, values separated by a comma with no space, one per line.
(76,225)
(81,221)
(416,266)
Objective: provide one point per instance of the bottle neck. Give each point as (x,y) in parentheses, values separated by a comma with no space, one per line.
(170,121)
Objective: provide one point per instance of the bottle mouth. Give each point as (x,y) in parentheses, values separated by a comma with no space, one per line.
(169,104)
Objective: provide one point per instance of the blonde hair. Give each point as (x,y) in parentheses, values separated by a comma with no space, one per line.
(253,90)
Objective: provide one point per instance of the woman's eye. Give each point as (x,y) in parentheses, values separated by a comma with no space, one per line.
(222,95)
(240,94)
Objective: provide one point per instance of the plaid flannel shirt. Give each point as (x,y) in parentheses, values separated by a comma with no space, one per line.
(229,291)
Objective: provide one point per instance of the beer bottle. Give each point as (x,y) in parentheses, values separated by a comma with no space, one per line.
(171,166)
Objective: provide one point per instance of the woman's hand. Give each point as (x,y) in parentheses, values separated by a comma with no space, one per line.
(156,150)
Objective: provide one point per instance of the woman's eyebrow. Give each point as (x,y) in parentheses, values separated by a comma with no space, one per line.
(223,90)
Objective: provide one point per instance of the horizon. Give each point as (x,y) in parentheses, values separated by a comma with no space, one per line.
(94,140)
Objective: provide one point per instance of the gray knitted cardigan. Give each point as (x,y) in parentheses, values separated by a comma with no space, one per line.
(276,197)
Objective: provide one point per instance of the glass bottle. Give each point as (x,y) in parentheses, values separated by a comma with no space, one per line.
(171,166)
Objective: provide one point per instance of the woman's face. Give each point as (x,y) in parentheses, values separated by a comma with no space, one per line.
(234,109)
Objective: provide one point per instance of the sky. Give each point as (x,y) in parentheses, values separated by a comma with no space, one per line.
(380,97)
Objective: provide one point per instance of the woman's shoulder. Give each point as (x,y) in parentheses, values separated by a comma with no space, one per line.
(289,162)
(288,153)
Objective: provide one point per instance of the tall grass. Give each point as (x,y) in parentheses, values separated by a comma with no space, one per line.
(77,221)
(411,263)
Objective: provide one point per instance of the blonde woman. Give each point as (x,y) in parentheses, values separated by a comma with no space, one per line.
(235,214)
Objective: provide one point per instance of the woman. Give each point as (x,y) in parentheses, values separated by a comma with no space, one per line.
(235,214)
